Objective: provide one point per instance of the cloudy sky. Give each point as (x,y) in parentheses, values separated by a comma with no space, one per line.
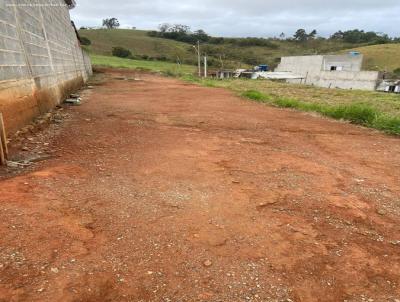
(261,18)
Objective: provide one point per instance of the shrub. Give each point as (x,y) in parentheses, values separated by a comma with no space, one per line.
(162,58)
(121,52)
(85,41)
(397,71)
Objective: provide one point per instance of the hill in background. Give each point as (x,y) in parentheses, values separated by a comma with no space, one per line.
(228,55)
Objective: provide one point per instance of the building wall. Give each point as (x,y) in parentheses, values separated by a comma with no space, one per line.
(386,84)
(360,80)
(41,60)
(301,65)
(343,62)
(316,70)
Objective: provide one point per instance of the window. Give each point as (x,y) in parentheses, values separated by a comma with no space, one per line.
(333,68)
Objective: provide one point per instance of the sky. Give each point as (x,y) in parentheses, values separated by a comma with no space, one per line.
(246,18)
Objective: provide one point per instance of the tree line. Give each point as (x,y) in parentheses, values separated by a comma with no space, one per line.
(183,33)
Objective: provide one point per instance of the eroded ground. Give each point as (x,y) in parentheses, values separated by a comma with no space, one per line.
(158,190)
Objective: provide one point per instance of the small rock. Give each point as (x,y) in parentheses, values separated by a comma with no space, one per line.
(54,270)
(381,212)
(25,148)
(207,263)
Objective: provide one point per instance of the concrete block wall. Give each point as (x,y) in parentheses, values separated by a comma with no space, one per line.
(316,70)
(301,65)
(360,80)
(41,60)
(344,62)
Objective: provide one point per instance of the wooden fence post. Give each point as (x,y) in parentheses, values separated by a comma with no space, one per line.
(3,142)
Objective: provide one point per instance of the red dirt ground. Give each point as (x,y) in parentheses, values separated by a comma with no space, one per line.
(159,190)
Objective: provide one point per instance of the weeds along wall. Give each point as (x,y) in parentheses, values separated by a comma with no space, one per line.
(41,60)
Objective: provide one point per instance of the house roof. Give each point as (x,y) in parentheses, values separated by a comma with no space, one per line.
(71,3)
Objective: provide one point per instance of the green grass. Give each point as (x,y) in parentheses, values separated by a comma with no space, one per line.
(381,57)
(169,69)
(371,109)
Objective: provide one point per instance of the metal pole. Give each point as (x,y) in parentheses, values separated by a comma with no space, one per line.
(199,57)
(3,137)
(205,66)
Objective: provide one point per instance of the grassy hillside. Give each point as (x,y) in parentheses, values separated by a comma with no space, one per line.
(103,40)
(154,66)
(381,57)
(231,56)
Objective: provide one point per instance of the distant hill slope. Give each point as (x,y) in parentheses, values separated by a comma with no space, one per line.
(103,40)
(228,55)
(385,57)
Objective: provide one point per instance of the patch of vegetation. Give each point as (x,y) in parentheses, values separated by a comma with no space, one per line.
(359,36)
(380,57)
(121,52)
(85,41)
(153,66)
(255,95)
(183,33)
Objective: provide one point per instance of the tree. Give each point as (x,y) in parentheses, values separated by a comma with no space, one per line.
(301,35)
(201,35)
(312,34)
(111,23)
(337,35)
(282,36)
(163,28)
(180,28)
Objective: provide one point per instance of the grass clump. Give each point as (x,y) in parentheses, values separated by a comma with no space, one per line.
(255,95)
(387,123)
(356,113)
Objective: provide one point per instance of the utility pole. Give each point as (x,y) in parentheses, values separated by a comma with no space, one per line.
(205,66)
(198,57)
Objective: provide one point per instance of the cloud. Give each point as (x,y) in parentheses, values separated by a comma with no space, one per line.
(261,18)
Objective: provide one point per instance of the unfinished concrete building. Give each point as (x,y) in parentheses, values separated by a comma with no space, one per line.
(331,71)
(41,60)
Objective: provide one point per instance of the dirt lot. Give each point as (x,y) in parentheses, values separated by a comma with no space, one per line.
(158,190)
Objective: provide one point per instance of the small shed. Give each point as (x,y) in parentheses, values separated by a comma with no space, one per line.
(224,74)
(390,86)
